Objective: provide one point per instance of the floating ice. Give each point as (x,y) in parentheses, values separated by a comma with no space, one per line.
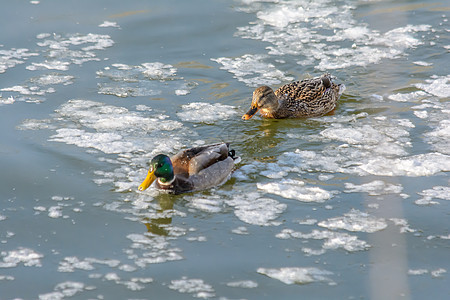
(63,50)
(333,240)
(437,192)
(374,188)
(417,271)
(9,100)
(205,112)
(197,287)
(407,97)
(156,249)
(240,230)
(109,24)
(416,165)
(211,204)
(142,80)
(13,258)
(295,189)
(246,284)
(296,275)
(111,124)
(422,63)
(324,35)
(64,290)
(356,221)
(438,272)
(13,57)
(252,70)
(439,138)
(437,85)
(251,208)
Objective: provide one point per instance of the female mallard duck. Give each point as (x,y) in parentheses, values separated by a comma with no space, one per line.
(192,169)
(306,98)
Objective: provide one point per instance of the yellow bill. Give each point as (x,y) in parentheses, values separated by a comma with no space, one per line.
(147,181)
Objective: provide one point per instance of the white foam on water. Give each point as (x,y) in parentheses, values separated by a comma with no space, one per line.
(296,189)
(253,209)
(196,287)
(438,86)
(355,221)
(28,257)
(297,275)
(201,112)
(11,58)
(437,192)
(253,70)
(374,188)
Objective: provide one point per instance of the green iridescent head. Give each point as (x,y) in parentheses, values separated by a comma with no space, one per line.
(161,168)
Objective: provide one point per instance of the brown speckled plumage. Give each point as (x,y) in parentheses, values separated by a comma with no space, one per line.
(306,98)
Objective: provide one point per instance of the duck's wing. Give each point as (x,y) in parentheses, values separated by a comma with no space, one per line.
(215,174)
(193,160)
(307,90)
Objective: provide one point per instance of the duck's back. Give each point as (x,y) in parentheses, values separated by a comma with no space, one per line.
(308,97)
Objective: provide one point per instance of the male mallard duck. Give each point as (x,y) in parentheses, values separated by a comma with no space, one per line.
(306,98)
(192,169)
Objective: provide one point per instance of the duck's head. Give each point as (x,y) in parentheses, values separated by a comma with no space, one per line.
(263,98)
(161,168)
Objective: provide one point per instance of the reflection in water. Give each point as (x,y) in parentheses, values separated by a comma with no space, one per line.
(157,225)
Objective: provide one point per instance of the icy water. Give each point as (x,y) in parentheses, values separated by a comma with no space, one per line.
(353,205)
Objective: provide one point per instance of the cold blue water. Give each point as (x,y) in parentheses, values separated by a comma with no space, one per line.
(351,205)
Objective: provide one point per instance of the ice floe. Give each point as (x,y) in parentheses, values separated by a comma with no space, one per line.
(27,256)
(201,112)
(253,209)
(253,70)
(109,24)
(124,80)
(246,284)
(437,192)
(296,189)
(355,221)
(318,33)
(11,58)
(438,86)
(64,290)
(374,188)
(332,239)
(196,287)
(155,249)
(291,275)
